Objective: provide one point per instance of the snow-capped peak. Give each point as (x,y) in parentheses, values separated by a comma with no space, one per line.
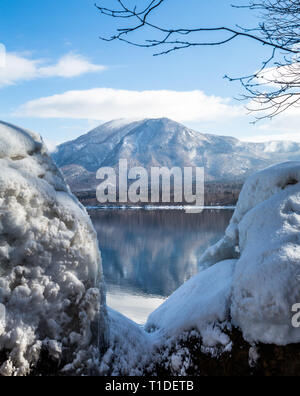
(163,142)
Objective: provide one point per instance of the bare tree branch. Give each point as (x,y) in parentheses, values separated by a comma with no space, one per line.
(274,89)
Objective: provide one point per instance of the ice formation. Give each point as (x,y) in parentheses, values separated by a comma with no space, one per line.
(50,266)
(253,281)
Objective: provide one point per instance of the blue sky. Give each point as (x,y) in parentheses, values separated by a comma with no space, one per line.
(61,80)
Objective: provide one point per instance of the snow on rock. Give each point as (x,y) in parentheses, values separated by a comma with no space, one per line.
(264,233)
(50,266)
(130,348)
(266,279)
(259,188)
(200,304)
(254,271)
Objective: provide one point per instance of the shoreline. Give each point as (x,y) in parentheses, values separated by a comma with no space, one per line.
(158,207)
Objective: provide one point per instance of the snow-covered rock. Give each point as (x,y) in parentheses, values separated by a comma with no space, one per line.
(50,266)
(266,279)
(264,232)
(254,276)
(130,348)
(200,304)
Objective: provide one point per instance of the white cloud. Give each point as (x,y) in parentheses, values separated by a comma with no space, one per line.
(106,104)
(70,65)
(17,68)
(286,123)
(287,137)
(51,145)
(282,127)
(20,68)
(280,75)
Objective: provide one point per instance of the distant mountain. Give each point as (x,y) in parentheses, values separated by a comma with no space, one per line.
(163,142)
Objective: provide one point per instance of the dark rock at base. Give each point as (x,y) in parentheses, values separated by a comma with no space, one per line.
(272,360)
(45,367)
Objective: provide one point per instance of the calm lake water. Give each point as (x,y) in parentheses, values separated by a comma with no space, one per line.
(147,255)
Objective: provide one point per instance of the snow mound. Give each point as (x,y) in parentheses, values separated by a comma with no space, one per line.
(130,348)
(50,266)
(258,188)
(199,304)
(254,276)
(266,279)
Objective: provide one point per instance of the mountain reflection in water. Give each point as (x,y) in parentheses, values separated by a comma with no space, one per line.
(147,255)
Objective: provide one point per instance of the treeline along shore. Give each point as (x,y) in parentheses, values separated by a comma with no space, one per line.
(216,194)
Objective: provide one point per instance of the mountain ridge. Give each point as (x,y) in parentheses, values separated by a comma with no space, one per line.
(163,142)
